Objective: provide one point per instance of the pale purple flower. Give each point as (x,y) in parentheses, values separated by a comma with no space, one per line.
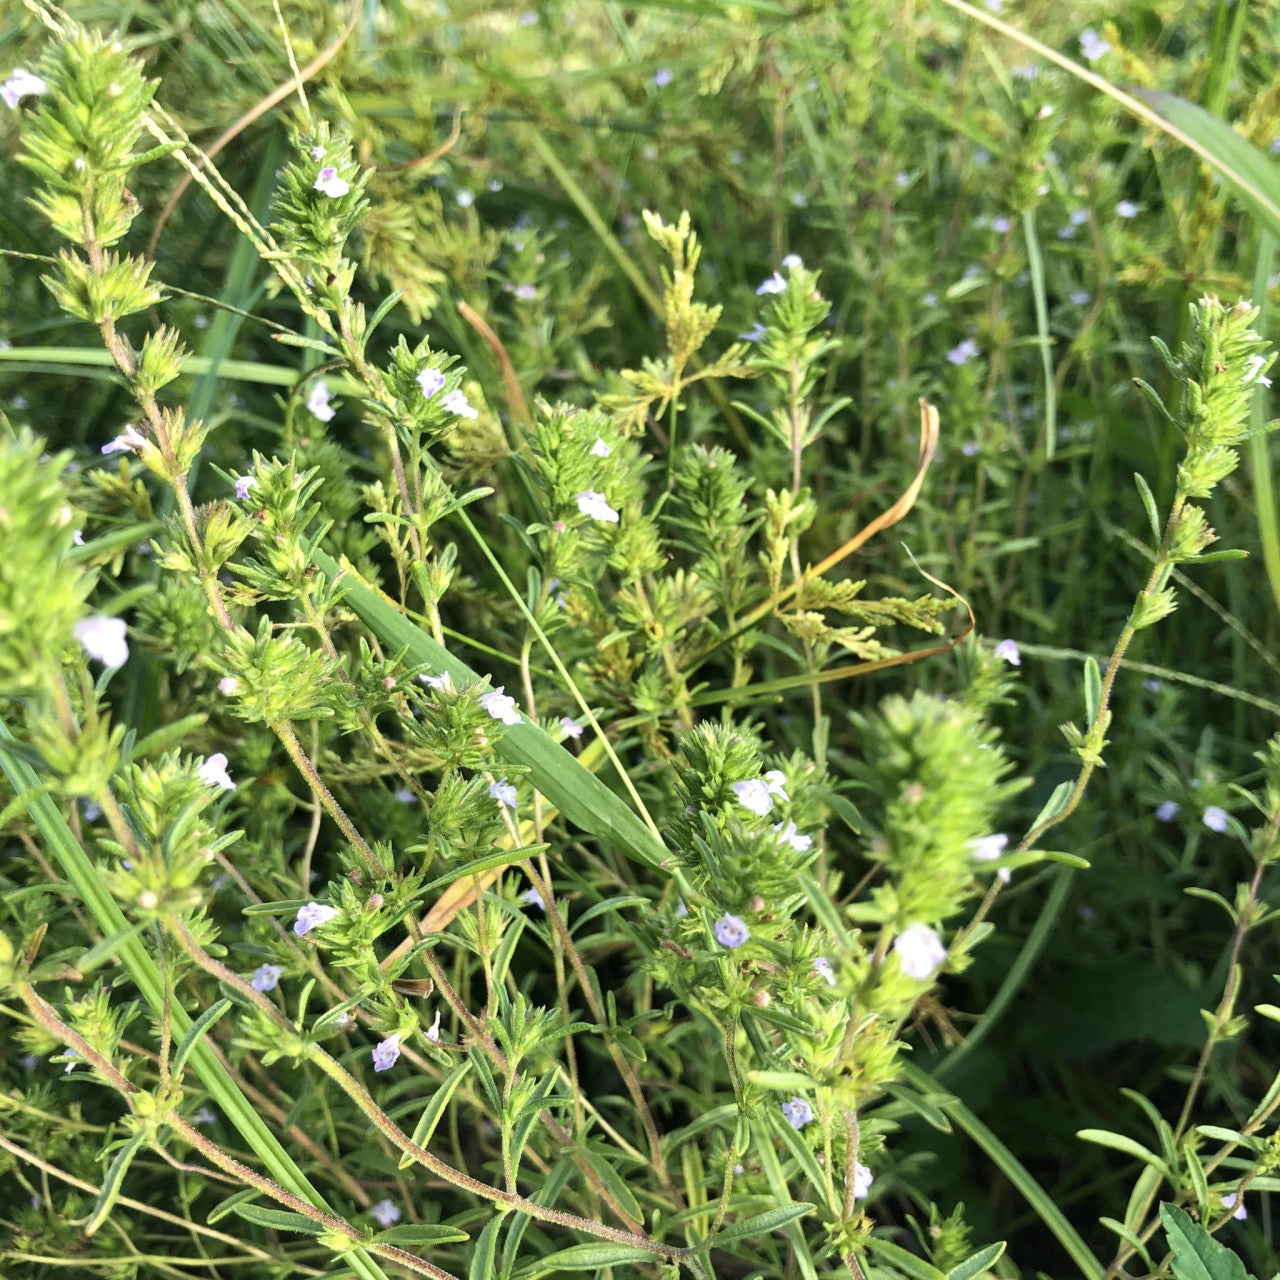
(386,1053)
(204,1117)
(799,200)
(1229,1202)
(243,485)
(755,333)
(862,1180)
(970,448)
(596,505)
(328,183)
(318,402)
(430,380)
(774,284)
(798,1112)
(731,931)
(662,77)
(92,811)
(433,1031)
(791,835)
(74,1054)
(920,951)
(988,848)
(1126,209)
(570,727)
(504,792)
(103,640)
(526,292)
(599,449)
(681,909)
(822,967)
(501,706)
(29,1061)
(1000,224)
(457,402)
(130,440)
(1167,810)
(963,352)
(793,262)
(754,795)
(402,795)
(1081,297)
(1153,686)
(213,772)
(532,898)
(902,178)
(228,685)
(386,1212)
(1215,818)
(21,84)
(311,915)
(266,977)
(1008,651)
(1092,45)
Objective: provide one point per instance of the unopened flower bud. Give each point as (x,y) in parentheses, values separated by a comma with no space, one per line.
(762,999)
(757,903)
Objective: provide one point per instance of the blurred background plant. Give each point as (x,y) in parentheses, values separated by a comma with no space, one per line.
(629,433)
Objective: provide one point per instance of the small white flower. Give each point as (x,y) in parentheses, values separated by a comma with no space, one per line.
(1004,875)
(204,1117)
(213,773)
(570,727)
(503,792)
(1215,818)
(403,795)
(822,967)
(1167,810)
(317,153)
(103,640)
(501,706)
(1092,45)
(228,685)
(862,1180)
(266,977)
(458,403)
(988,848)
(920,951)
(130,439)
(465,199)
(1000,225)
(311,915)
(533,898)
(799,200)
(600,449)
(433,1031)
(21,84)
(386,1053)
(774,284)
(1229,1202)
(797,1112)
(1253,370)
(754,795)
(328,183)
(442,682)
(430,380)
(318,402)
(662,77)
(78,537)
(756,333)
(791,835)
(1008,650)
(793,262)
(595,505)
(243,485)
(1126,209)
(776,781)
(70,1067)
(963,352)
(526,292)
(386,1212)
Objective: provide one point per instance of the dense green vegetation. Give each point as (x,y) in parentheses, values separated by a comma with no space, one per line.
(626,644)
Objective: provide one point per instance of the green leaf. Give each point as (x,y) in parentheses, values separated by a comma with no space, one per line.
(761,1223)
(434,1109)
(109,1192)
(587,1257)
(1092,689)
(907,1263)
(198,1028)
(420,1235)
(1196,1254)
(1054,805)
(1148,501)
(503,858)
(277,1219)
(1128,1146)
(977,1263)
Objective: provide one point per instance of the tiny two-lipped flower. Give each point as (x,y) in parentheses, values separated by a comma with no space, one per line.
(103,640)
(21,84)
(1233,1201)
(328,183)
(311,915)
(501,706)
(526,292)
(386,1213)
(596,505)
(266,977)
(402,795)
(318,402)
(228,686)
(532,898)
(1126,209)
(204,1117)
(822,967)
(441,682)
(731,931)
(1092,45)
(920,951)
(1008,651)
(458,403)
(213,772)
(791,835)
(862,1180)
(430,380)
(988,848)
(1167,810)
(754,794)
(797,1112)
(386,1053)
(130,440)
(662,77)
(1253,370)
(793,262)
(756,333)
(504,792)
(599,449)
(243,485)
(1215,818)
(570,727)
(433,1031)
(776,781)
(963,352)
(774,284)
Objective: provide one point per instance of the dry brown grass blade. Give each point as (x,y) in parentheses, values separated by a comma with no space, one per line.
(259,109)
(515,396)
